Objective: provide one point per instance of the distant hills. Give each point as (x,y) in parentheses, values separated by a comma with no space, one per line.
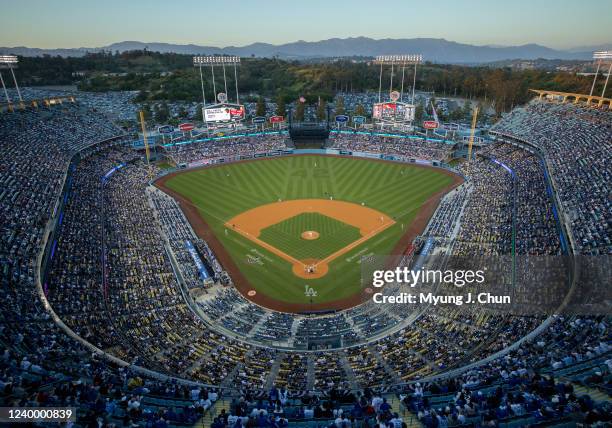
(435,50)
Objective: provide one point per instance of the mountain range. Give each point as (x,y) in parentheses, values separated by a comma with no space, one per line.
(435,50)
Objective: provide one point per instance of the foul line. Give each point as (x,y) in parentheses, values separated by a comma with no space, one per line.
(356,243)
(265,245)
(326,260)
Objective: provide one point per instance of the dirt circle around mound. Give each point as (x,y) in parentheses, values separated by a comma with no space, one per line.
(310,235)
(242,282)
(310,269)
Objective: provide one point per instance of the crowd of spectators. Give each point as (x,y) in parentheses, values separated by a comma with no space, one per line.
(402,147)
(111,279)
(508,191)
(40,364)
(116,105)
(178,231)
(522,386)
(576,141)
(226,148)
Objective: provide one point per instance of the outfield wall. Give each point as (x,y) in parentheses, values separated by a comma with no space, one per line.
(139,144)
(333,152)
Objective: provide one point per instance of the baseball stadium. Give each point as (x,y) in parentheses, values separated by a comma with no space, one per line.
(218,271)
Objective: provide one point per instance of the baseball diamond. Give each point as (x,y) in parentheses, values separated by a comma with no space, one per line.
(355,206)
(349,225)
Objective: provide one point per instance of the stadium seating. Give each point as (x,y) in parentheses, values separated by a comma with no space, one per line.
(117,270)
(576,142)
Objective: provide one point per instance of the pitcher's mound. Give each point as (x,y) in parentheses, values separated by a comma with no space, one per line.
(310,235)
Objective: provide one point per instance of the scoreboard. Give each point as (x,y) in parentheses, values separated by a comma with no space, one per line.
(395,112)
(224,113)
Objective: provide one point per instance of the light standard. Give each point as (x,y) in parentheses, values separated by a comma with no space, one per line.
(403,60)
(604,57)
(10,62)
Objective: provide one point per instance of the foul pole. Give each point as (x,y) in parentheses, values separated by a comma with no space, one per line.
(146,144)
(472,131)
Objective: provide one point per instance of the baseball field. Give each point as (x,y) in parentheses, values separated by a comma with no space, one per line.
(292,230)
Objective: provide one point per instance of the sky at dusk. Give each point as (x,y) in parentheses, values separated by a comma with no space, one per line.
(72,23)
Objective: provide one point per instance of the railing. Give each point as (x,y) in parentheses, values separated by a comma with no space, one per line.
(46,102)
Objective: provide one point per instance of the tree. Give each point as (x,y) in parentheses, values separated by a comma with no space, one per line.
(281,110)
(432,103)
(340,105)
(299,111)
(456,114)
(161,113)
(260,108)
(199,113)
(467,110)
(321,109)
(360,110)
(482,113)
(418,112)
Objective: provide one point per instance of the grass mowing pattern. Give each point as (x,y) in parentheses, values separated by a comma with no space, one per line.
(220,193)
(333,235)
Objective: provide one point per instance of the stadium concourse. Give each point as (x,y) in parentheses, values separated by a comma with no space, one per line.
(131,337)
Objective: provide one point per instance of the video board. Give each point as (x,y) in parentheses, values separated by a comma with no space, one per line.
(393,112)
(224,113)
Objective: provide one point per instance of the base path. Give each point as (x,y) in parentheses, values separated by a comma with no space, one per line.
(242,283)
(369,221)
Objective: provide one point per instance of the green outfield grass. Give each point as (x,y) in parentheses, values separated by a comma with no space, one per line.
(220,193)
(287,236)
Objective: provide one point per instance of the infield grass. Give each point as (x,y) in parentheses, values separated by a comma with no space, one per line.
(287,236)
(220,193)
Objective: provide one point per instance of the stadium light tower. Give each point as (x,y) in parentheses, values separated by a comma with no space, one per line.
(10,62)
(602,57)
(400,60)
(200,61)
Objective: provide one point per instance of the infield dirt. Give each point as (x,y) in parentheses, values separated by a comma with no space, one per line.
(241,282)
(369,221)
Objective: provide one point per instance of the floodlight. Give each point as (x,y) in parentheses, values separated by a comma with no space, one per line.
(215,60)
(8,59)
(602,55)
(399,59)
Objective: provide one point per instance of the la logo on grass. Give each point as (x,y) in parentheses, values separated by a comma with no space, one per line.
(309,291)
